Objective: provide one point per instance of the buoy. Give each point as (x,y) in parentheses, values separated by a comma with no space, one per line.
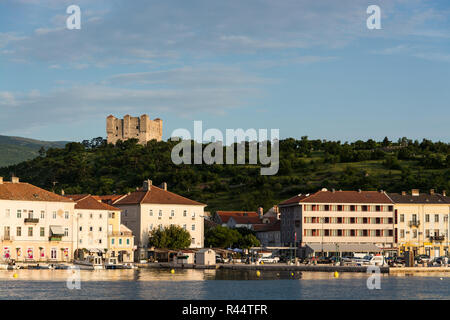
(262,262)
(172,271)
(292,274)
(258,273)
(15,275)
(336,274)
(441,278)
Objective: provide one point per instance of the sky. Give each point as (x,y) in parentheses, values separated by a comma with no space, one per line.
(307,68)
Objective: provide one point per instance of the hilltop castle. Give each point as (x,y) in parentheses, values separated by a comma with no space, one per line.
(141,128)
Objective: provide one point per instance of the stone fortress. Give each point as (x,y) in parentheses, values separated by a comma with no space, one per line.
(141,128)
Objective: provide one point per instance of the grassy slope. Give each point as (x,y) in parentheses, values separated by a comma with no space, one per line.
(16,149)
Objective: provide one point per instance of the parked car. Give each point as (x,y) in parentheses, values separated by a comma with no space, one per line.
(377,261)
(422,258)
(269,260)
(398,262)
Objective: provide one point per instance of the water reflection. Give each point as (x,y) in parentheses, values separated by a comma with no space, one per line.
(193,275)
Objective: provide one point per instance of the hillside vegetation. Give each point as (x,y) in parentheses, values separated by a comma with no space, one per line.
(305,166)
(14,150)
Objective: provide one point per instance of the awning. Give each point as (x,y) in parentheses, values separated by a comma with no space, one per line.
(57,230)
(344,247)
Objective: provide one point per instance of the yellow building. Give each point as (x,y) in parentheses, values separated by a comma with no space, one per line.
(421,222)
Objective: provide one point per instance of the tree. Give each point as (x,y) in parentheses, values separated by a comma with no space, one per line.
(248,241)
(221,237)
(173,237)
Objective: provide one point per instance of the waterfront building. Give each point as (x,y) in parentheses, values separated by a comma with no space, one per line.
(36,225)
(422,222)
(205,257)
(342,219)
(238,219)
(99,231)
(153,207)
(269,234)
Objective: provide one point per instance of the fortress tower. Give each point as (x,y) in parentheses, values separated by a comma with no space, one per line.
(141,128)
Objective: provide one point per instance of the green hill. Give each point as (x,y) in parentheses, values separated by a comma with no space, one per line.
(16,149)
(305,166)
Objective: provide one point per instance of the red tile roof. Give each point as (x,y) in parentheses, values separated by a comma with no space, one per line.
(156,196)
(27,192)
(226,215)
(348,197)
(108,198)
(294,199)
(90,203)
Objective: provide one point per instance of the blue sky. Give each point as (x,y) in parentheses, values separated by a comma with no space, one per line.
(306,67)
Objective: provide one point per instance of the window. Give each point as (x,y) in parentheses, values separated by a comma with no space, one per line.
(193,227)
(414,233)
(7,213)
(42,232)
(436,218)
(427,233)
(192,240)
(80,215)
(19,214)
(42,214)
(427,218)
(30,231)
(184,226)
(151,213)
(112,241)
(101,216)
(100,229)
(128,242)
(172,213)
(90,216)
(193,214)
(160,213)
(184,213)
(120,242)
(91,229)
(402,218)
(54,214)
(19,231)
(402,233)
(66,232)
(150,227)
(100,241)
(66,214)
(81,228)
(30,214)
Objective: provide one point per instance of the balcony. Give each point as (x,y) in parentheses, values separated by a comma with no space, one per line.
(414,223)
(55,238)
(7,237)
(31,220)
(437,238)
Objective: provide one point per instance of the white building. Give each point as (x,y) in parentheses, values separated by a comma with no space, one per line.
(152,207)
(36,225)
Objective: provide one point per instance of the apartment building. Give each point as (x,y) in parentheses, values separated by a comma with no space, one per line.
(339,221)
(153,207)
(422,222)
(99,230)
(36,225)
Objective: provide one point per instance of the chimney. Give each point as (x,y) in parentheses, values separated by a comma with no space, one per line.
(147,185)
(403,193)
(432,191)
(1,180)
(62,192)
(260,211)
(415,192)
(163,186)
(15,179)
